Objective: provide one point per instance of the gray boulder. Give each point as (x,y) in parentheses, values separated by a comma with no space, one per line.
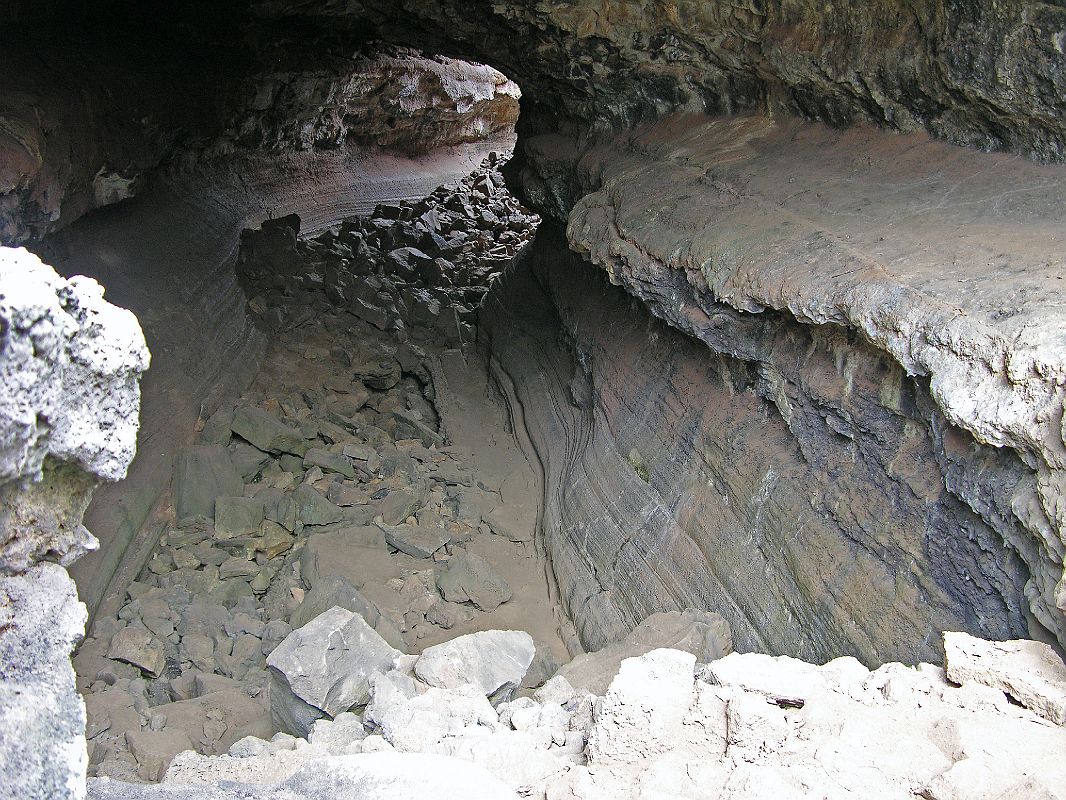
(322,669)
(493,661)
(469,578)
(202,473)
(267,432)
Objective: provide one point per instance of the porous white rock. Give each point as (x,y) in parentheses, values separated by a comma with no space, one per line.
(42,717)
(70,358)
(69,395)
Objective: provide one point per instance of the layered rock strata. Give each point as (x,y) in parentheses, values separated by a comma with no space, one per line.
(921,389)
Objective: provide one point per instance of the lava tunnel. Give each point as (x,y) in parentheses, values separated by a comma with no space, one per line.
(557,400)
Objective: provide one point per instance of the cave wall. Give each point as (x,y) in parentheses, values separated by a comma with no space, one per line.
(935,259)
(674,480)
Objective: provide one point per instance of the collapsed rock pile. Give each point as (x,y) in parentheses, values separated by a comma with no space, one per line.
(330,485)
(421,265)
(741,726)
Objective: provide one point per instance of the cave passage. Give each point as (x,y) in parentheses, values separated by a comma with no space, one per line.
(370,466)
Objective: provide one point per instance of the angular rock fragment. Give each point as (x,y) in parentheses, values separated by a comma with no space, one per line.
(202,473)
(314,509)
(237,516)
(137,646)
(333,591)
(492,661)
(417,541)
(328,462)
(267,432)
(323,668)
(470,578)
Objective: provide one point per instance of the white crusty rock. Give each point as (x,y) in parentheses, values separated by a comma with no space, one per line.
(1030,672)
(703,633)
(491,661)
(323,669)
(69,402)
(421,723)
(369,776)
(42,717)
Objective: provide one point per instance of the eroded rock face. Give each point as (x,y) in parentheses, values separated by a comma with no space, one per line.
(69,368)
(399,100)
(69,400)
(674,479)
(987,76)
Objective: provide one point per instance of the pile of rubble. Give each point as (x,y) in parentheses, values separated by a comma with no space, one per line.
(446,723)
(419,266)
(329,484)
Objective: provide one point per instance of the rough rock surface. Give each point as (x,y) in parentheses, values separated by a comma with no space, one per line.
(1030,672)
(69,396)
(740,727)
(69,401)
(751,477)
(491,661)
(371,776)
(703,634)
(988,348)
(42,718)
(323,669)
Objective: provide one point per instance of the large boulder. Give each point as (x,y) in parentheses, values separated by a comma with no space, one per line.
(702,633)
(1030,672)
(492,661)
(323,669)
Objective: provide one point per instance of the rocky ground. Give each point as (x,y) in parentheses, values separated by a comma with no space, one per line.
(447,723)
(336,480)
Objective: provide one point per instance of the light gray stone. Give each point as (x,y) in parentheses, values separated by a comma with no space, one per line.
(323,668)
(492,661)
(1030,672)
(470,578)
